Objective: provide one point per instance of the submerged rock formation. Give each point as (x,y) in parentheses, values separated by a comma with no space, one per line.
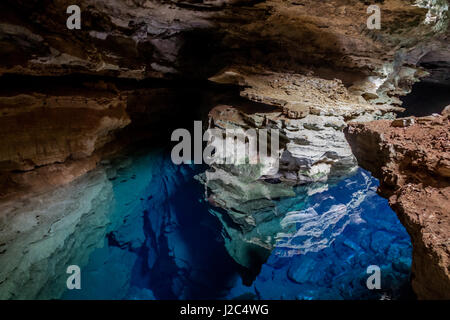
(310,114)
(70,98)
(42,235)
(335,234)
(411,157)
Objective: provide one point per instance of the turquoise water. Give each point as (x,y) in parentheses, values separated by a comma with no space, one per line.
(162,242)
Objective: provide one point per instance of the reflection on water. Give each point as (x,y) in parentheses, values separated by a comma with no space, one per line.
(139,229)
(338,234)
(42,235)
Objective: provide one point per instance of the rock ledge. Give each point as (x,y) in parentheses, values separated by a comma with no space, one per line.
(413,165)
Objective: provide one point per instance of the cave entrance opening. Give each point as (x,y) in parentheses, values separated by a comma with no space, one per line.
(425,99)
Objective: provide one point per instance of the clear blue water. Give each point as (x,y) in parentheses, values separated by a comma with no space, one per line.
(164,243)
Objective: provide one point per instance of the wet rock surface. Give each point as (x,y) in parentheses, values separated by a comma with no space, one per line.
(309,114)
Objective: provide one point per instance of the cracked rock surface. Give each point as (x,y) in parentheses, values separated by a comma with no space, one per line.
(413,165)
(70,98)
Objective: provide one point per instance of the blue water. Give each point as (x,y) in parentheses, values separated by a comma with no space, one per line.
(338,234)
(164,243)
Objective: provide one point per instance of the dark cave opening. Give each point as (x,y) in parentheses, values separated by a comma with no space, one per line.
(425,99)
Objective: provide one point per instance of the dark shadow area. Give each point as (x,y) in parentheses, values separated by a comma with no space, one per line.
(201,264)
(425,99)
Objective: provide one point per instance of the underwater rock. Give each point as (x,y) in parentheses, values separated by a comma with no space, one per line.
(161,242)
(313,149)
(40,236)
(323,249)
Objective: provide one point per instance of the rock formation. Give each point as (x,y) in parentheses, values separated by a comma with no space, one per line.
(195,40)
(50,137)
(310,114)
(41,235)
(328,239)
(138,68)
(411,157)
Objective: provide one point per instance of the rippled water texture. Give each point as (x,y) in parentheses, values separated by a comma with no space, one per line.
(139,229)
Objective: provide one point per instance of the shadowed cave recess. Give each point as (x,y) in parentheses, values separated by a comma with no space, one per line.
(87,179)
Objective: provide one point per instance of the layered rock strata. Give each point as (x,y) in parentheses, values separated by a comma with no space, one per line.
(44,234)
(142,39)
(310,114)
(58,132)
(310,68)
(411,157)
(153,39)
(51,138)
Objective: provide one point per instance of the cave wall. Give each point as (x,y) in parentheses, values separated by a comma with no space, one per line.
(70,98)
(412,163)
(188,40)
(54,121)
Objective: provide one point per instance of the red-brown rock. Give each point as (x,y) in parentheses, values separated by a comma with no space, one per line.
(413,165)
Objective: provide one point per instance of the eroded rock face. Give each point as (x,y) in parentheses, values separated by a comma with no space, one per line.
(52,135)
(305,67)
(139,39)
(310,114)
(412,162)
(151,39)
(40,130)
(57,132)
(42,235)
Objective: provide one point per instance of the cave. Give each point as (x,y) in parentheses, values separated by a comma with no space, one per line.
(359,176)
(425,99)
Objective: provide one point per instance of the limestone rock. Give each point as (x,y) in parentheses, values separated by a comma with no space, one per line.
(413,165)
(446,111)
(42,235)
(290,51)
(307,68)
(310,114)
